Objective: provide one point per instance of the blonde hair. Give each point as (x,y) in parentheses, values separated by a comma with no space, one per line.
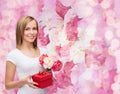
(21,25)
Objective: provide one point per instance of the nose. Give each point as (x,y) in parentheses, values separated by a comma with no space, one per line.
(31,31)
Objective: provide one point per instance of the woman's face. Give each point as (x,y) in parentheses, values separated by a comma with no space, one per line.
(30,32)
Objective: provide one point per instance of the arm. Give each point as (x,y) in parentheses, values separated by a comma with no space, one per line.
(9,78)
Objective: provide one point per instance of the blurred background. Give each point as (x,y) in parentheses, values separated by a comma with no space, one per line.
(83,34)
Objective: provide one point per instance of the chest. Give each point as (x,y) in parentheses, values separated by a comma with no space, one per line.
(28,65)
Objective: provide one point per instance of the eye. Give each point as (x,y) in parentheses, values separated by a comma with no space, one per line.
(27,28)
(34,28)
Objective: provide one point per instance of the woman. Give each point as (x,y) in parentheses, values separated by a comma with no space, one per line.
(23,60)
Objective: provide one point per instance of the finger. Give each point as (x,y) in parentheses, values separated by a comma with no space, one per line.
(35,83)
(32,82)
(33,86)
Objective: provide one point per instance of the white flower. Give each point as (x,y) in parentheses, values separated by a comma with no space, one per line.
(48,62)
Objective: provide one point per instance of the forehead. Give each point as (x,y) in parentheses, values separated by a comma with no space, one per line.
(31,24)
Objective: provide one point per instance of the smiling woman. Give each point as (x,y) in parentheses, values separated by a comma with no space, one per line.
(24,59)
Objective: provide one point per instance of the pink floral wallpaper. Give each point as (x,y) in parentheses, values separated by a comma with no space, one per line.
(83,34)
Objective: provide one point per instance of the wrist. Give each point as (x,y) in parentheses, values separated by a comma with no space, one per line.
(24,81)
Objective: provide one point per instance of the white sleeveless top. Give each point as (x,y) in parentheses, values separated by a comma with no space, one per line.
(26,66)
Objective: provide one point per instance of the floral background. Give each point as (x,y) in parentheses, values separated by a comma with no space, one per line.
(83,34)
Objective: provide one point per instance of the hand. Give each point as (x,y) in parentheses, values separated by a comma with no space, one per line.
(30,82)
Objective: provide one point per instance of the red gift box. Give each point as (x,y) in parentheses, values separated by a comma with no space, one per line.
(44,79)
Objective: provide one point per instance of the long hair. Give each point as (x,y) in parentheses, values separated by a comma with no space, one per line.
(21,25)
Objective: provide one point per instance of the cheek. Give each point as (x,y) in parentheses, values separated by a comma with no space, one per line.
(25,33)
(36,33)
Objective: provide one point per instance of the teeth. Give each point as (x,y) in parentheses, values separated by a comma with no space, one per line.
(31,36)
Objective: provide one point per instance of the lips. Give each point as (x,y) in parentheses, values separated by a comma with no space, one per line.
(31,36)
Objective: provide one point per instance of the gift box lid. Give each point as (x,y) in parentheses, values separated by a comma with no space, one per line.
(42,76)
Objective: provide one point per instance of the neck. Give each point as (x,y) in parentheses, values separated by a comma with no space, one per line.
(26,46)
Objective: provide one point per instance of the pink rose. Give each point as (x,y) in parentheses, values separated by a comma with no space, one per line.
(41,59)
(57,65)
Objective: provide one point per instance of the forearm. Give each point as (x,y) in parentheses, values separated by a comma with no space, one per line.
(15,84)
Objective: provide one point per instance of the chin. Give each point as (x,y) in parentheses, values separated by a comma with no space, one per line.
(31,40)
